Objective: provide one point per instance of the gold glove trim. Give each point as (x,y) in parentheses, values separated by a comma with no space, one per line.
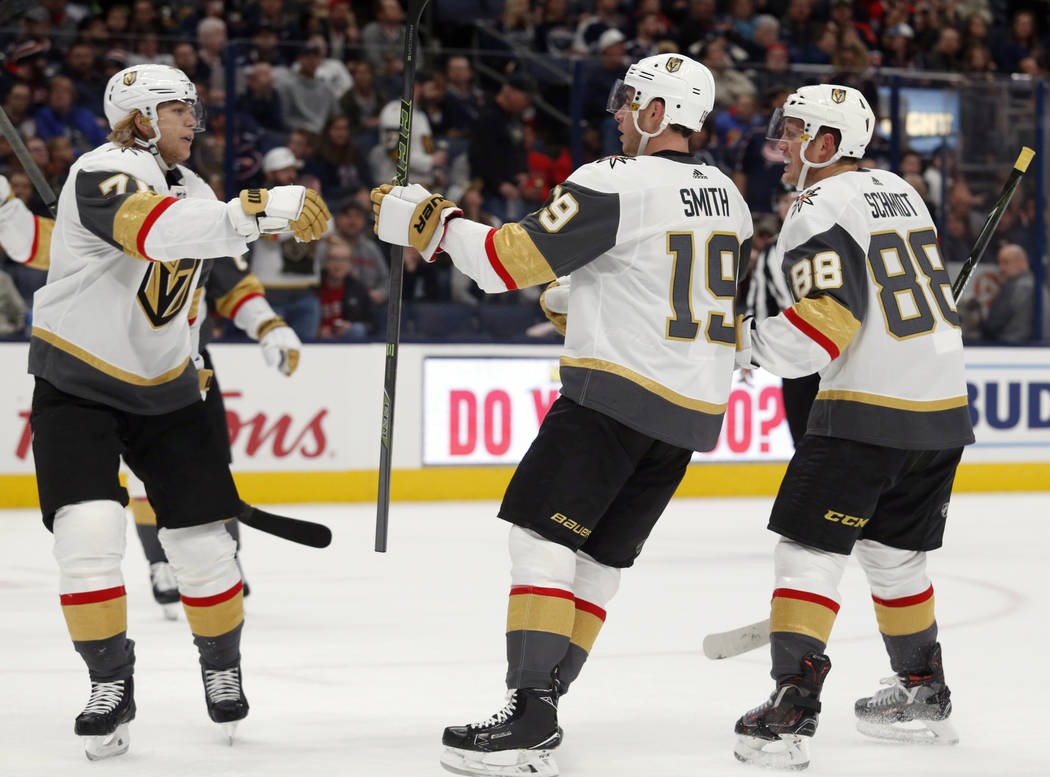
(253,201)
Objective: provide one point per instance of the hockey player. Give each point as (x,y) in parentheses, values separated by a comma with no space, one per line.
(236,294)
(651,241)
(113,348)
(874,314)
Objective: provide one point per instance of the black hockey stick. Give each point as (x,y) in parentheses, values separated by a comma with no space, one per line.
(316,535)
(397,265)
(990,223)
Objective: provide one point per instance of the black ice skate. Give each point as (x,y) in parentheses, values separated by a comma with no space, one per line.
(104,721)
(225,698)
(914,708)
(517,740)
(776,734)
(165,589)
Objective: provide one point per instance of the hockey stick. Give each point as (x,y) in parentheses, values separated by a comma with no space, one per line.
(397,264)
(316,535)
(990,223)
(736,641)
(43,188)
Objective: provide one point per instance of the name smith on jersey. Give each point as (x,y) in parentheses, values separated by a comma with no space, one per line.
(707,201)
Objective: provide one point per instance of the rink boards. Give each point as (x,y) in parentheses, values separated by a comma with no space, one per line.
(466,413)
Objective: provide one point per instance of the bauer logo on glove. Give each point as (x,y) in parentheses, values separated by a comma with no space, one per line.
(412,216)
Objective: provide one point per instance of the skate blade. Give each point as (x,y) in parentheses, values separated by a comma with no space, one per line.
(915,732)
(108,745)
(230,730)
(171,611)
(503,763)
(790,752)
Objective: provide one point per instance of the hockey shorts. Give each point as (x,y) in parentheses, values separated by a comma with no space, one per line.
(214,405)
(590,483)
(838,491)
(180,456)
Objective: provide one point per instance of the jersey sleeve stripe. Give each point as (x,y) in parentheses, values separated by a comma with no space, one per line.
(229,303)
(497,265)
(149,221)
(518,256)
(133,219)
(825,321)
(811,332)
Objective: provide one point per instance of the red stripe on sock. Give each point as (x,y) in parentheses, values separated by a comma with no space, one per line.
(593,609)
(93,597)
(905,601)
(148,223)
(208,601)
(558,593)
(497,265)
(806,596)
(812,332)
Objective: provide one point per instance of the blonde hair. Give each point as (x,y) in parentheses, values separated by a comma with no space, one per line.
(126,132)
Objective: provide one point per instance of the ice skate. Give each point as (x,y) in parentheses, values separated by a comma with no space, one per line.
(518,740)
(914,708)
(165,589)
(104,721)
(225,698)
(776,734)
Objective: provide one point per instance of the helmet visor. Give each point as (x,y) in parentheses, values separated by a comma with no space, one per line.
(199,114)
(783,127)
(620,95)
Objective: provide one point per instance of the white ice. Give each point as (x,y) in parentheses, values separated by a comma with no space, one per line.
(355,661)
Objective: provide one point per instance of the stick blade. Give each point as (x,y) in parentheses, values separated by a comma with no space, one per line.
(727,644)
(316,535)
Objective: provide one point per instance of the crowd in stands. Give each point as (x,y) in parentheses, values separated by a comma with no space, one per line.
(316,102)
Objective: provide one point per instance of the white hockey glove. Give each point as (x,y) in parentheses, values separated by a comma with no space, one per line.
(281,208)
(280,345)
(555,303)
(5,190)
(412,216)
(745,324)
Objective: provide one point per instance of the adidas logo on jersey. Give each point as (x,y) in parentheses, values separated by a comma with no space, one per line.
(698,174)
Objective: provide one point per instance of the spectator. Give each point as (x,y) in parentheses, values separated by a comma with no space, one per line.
(432,101)
(956,240)
(766,35)
(650,31)
(1011,313)
(898,47)
(1022,42)
(147,51)
(61,117)
(288,269)
(342,33)
(842,14)
(331,72)
(731,125)
(759,165)
(302,144)
(338,163)
(12,308)
(83,69)
(32,68)
(798,29)
(266,47)
(426,163)
(62,155)
(600,76)
(698,24)
(363,102)
(822,47)
(382,40)
(346,309)
(306,102)
(554,31)
(211,43)
(946,57)
(17,108)
(260,100)
(273,15)
(367,264)
(976,31)
(729,82)
(186,60)
(592,26)
(425,281)
(463,100)
(978,63)
(497,152)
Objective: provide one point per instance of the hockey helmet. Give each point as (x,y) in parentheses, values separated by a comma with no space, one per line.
(826,105)
(686,87)
(144,87)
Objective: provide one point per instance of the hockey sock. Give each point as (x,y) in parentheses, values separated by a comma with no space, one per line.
(541,610)
(210,587)
(909,629)
(594,585)
(233,528)
(89,546)
(146,527)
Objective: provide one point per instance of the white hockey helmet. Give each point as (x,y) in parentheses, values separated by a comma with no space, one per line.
(686,87)
(143,88)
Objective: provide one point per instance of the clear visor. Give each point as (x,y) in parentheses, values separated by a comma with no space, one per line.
(196,109)
(783,127)
(620,95)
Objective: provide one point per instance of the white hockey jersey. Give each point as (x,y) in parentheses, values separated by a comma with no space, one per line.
(112,324)
(653,246)
(874,314)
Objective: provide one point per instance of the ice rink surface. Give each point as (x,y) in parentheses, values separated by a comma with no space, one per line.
(355,661)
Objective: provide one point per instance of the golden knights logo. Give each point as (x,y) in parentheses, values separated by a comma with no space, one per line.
(129,78)
(838,95)
(806,198)
(673,64)
(165,289)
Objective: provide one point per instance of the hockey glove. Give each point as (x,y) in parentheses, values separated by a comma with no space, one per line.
(204,376)
(280,345)
(555,303)
(5,190)
(744,327)
(412,216)
(279,209)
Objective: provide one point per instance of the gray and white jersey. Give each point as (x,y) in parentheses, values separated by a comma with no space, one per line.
(652,245)
(873,313)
